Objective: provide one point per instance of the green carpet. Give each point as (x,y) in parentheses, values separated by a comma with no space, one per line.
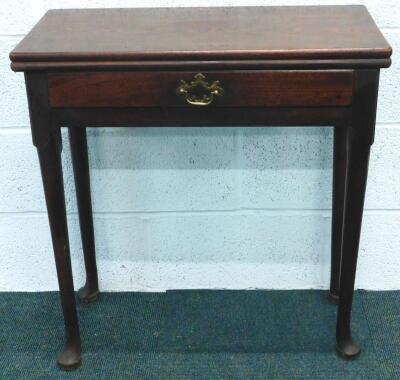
(201,334)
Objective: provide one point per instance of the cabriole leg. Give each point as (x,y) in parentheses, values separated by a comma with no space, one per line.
(356,184)
(90,291)
(360,137)
(338,197)
(51,169)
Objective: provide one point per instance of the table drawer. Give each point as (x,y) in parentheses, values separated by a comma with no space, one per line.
(193,89)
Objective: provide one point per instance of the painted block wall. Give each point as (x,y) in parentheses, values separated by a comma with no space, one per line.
(198,207)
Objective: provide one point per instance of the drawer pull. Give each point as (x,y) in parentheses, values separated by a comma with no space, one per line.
(199,92)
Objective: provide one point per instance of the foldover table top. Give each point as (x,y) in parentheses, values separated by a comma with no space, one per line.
(79,38)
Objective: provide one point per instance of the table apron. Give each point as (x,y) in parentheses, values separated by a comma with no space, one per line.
(198,117)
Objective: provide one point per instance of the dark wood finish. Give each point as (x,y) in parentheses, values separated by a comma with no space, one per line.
(241,88)
(338,197)
(202,34)
(361,137)
(201,116)
(356,180)
(278,64)
(79,74)
(77,136)
(50,165)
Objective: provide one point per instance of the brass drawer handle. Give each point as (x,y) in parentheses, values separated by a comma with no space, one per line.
(199,92)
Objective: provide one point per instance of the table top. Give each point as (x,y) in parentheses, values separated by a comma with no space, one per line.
(80,36)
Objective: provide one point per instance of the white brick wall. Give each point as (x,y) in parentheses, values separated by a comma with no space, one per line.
(197,208)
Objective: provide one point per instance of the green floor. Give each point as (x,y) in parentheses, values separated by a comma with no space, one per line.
(201,335)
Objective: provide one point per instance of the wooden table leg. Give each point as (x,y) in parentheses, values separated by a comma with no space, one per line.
(48,143)
(51,169)
(90,291)
(356,184)
(360,138)
(338,198)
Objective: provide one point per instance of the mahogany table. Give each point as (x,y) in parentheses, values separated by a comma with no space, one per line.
(264,66)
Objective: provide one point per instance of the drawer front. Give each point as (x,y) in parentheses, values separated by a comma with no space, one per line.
(191,89)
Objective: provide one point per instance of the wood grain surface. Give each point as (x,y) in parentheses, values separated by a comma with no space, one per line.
(241,88)
(202,34)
